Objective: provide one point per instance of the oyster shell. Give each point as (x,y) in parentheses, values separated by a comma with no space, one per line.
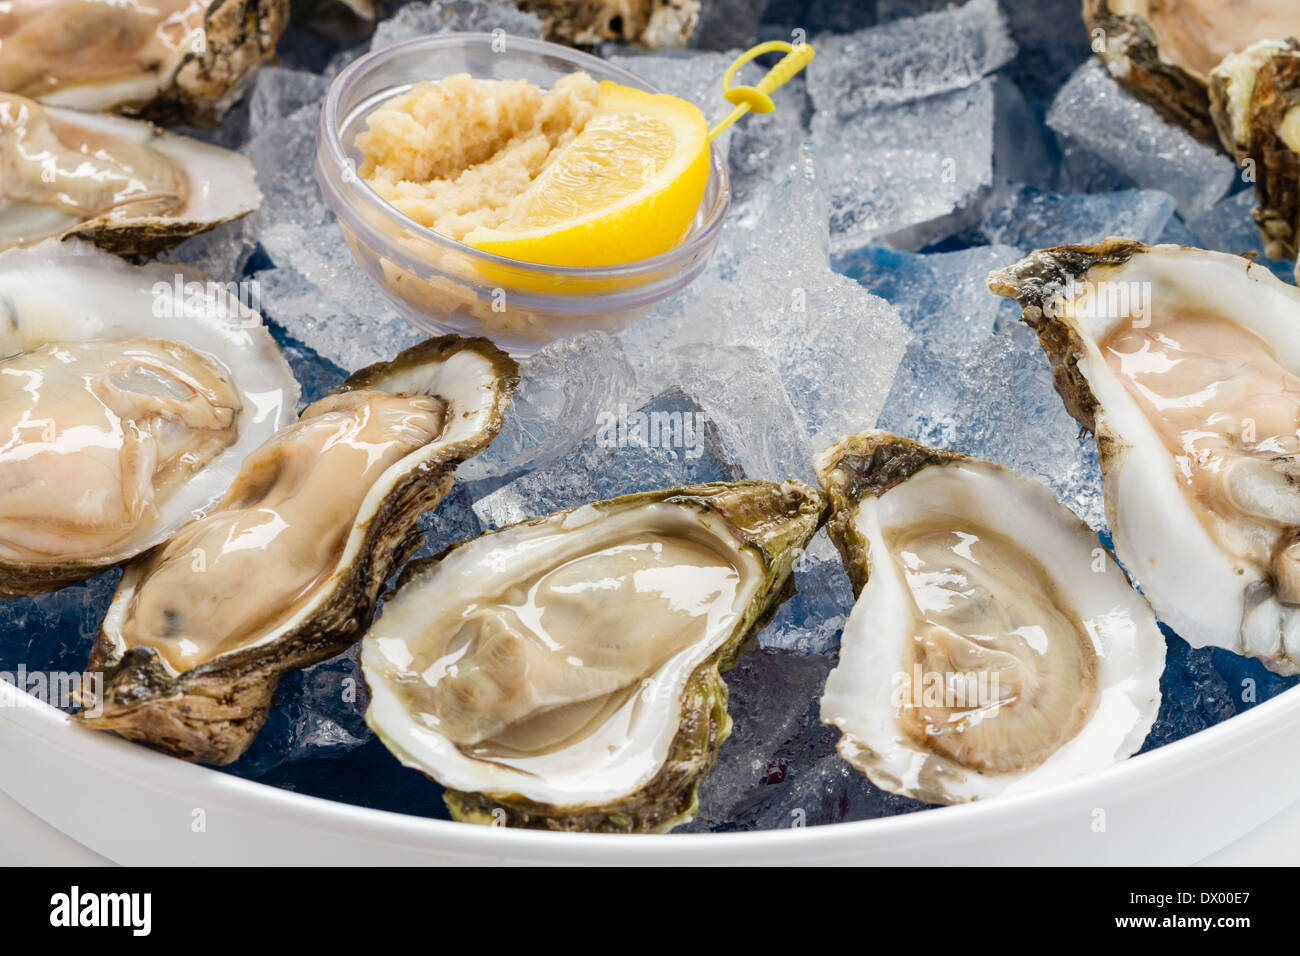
(1255,101)
(1163,51)
(285,570)
(128,396)
(124,184)
(1186,366)
(994,646)
(650,23)
(170,61)
(564,672)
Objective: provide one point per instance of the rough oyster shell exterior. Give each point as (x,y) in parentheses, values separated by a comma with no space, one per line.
(1251,96)
(1132,55)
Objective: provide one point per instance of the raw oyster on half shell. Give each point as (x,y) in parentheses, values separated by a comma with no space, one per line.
(124,184)
(1164,51)
(995,647)
(1255,99)
(565,672)
(167,60)
(129,396)
(285,569)
(1185,365)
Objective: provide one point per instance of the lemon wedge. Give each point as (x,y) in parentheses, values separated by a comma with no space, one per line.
(626,188)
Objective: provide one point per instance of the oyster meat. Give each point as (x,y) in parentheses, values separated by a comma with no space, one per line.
(1185,364)
(167,60)
(995,647)
(1165,50)
(285,569)
(564,672)
(1255,100)
(127,401)
(124,184)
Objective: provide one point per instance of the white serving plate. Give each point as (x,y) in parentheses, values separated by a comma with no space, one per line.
(1174,805)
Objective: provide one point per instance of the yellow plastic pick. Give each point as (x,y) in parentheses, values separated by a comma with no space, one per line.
(756,98)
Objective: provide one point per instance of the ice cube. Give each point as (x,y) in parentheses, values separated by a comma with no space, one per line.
(792,192)
(54,631)
(998,403)
(223,252)
(349,340)
(278,92)
(456,16)
(943,297)
(666,442)
(1053,41)
(1080,171)
(318,712)
(1177,233)
(760,148)
(907,174)
(727,24)
(563,391)
(1203,686)
(908,59)
(762,721)
(318,292)
(318,376)
(1094,112)
(1029,219)
(834,345)
(741,392)
(283,153)
(1229,227)
(810,622)
(452,522)
(1024,149)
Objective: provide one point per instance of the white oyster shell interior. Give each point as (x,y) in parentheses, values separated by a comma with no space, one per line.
(1194,361)
(70,292)
(979,662)
(549,659)
(1197,34)
(215,185)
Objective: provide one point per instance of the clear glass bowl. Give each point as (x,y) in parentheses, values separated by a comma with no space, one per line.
(441,285)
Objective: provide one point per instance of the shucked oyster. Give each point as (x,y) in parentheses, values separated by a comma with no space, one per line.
(285,569)
(1186,366)
(1165,50)
(124,184)
(128,397)
(1255,100)
(994,646)
(564,672)
(167,60)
